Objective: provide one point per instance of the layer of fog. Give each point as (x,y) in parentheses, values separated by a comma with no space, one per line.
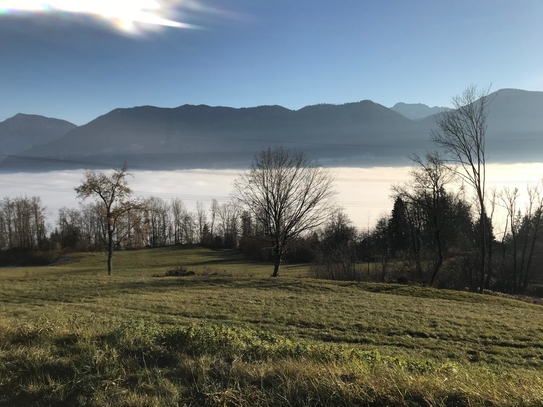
(364,193)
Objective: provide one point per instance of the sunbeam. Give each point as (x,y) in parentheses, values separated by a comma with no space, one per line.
(128,16)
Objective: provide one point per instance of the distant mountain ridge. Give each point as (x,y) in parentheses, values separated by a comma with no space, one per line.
(415,111)
(353,134)
(218,137)
(23,131)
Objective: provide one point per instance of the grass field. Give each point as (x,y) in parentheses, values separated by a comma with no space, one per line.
(231,335)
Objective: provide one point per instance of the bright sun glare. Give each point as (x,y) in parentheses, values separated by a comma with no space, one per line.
(129,16)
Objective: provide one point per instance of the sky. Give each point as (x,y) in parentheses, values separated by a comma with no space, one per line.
(79,59)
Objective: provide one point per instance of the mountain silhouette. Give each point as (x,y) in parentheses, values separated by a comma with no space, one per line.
(353,134)
(22,132)
(415,111)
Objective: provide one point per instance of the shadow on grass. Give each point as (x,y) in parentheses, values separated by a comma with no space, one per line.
(196,283)
(213,257)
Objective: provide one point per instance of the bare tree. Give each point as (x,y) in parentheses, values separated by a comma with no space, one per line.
(22,223)
(158,218)
(115,200)
(188,225)
(287,194)
(201,220)
(8,214)
(381,244)
(214,210)
(336,256)
(93,233)
(461,134)
(228,224)
(69,227)
(427,194)
(179,211)
(523,231)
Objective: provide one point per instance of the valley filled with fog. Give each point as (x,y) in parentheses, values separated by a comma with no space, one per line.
(363,193)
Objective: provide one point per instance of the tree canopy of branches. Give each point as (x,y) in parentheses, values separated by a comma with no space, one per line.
(521,251)
(429,209)
(114,198)
(22,223)
(461,134)
(287,194)
(335,254)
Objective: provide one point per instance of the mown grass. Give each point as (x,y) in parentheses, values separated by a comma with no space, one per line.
(231,335)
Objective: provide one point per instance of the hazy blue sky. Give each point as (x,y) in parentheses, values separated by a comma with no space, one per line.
(76,66)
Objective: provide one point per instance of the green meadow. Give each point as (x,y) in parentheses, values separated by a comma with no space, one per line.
(229,335)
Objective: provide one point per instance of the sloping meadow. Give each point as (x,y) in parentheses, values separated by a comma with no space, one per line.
(230,335)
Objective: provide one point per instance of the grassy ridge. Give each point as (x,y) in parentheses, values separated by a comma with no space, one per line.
(230,335)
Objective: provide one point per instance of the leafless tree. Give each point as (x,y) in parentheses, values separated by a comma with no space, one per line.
(22,223)
(179,211)
(523,231)
(157,213)
(201,220)
(427,194)
(336,256)
(115,200)
(8,215)
(287,194)
(462,134)
(69,227)
(188,226)
(228,224)
(213,210)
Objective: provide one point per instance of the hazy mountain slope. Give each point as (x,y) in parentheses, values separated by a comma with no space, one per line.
(22,132)
(515,126)
(355,134)
(204,136)
(516,111)
(415,111)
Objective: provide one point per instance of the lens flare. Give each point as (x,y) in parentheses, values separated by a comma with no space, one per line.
(129,16)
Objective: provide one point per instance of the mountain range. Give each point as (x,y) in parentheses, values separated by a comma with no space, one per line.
(353,134)
(415,111)
(22,132)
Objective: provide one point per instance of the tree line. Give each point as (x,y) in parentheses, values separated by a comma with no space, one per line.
(440,231)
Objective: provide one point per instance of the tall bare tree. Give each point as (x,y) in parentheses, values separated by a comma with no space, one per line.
(427,194)
(287,194)
(114,198)
(521,237)
(201,220)
(158,218)
(22,223)
(228,226)
(336,255)
(179,211)
(462,135)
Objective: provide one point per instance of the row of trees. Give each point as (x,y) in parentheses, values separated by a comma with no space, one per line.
(282,197)
(443,216)
(440,230)
(432,235)
(149,222)
(22,223)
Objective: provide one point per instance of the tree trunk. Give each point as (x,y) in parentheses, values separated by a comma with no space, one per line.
(483,248)
(437,266)
(109,251)
(278,256)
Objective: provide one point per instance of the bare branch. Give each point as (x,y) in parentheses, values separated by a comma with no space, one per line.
(287,194)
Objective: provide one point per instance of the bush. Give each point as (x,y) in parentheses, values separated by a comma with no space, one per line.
(28,257)
(178,271)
